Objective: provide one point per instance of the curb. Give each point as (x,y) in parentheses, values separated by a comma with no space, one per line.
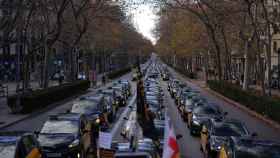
(36,113)
(268,121)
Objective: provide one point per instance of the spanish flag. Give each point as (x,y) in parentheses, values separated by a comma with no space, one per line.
(171,147)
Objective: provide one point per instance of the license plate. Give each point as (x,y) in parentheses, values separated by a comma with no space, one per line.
(54,154)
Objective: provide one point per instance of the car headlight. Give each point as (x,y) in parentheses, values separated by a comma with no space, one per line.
(75,143)
(215,147)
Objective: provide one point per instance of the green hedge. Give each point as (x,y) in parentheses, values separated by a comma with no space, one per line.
(42,98)
(262,104)
(118,73)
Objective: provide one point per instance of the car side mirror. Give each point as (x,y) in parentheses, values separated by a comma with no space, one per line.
(179,136)
(125,118)
(254,134)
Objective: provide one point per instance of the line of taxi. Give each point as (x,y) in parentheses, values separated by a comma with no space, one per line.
(220,136)
(71,134)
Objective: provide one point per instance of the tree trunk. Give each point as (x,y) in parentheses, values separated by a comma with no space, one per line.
(268,55)
(45,67)
(246,69)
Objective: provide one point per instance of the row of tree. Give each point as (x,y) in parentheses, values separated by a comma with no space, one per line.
(42,29)
(219,30)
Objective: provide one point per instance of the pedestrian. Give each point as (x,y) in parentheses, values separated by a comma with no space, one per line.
(61,78)
(103,79)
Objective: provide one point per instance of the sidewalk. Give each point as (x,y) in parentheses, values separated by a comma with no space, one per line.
(7,118)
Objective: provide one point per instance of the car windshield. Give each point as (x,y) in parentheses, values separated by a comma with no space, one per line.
(231,129)
(207,110)
(7,150)
(84,106)
(259,151)
(60,126)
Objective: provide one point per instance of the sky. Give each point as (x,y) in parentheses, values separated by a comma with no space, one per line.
(144,20)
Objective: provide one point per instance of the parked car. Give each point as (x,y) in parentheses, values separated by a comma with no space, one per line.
(187,105)
(216,133)
(18,144)
(249,147)
(114,94)
(171,84)
(165,76)
(92,108)
(66,135)
(200,114)
(110,108)
(121,88)
(127,86)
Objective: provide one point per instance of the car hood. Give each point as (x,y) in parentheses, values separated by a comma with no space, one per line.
(217,141)
(55,140)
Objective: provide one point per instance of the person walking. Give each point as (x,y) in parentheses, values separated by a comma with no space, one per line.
(104,79)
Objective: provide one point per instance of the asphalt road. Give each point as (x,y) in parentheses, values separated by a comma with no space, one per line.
(189,145)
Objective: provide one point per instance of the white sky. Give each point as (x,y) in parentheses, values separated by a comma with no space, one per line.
(144,20)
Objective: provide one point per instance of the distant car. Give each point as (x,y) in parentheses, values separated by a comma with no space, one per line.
(200,114)
(66,135)
(165,77)
(248,147)
(121,88)
(114,94)
(171,84)
(193,100)
(92,108)
(19,145)
(182,94)
(216,133)
(127,86)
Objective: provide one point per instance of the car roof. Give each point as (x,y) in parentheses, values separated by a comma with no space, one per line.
(66,116)
(12,136)
(227,121)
